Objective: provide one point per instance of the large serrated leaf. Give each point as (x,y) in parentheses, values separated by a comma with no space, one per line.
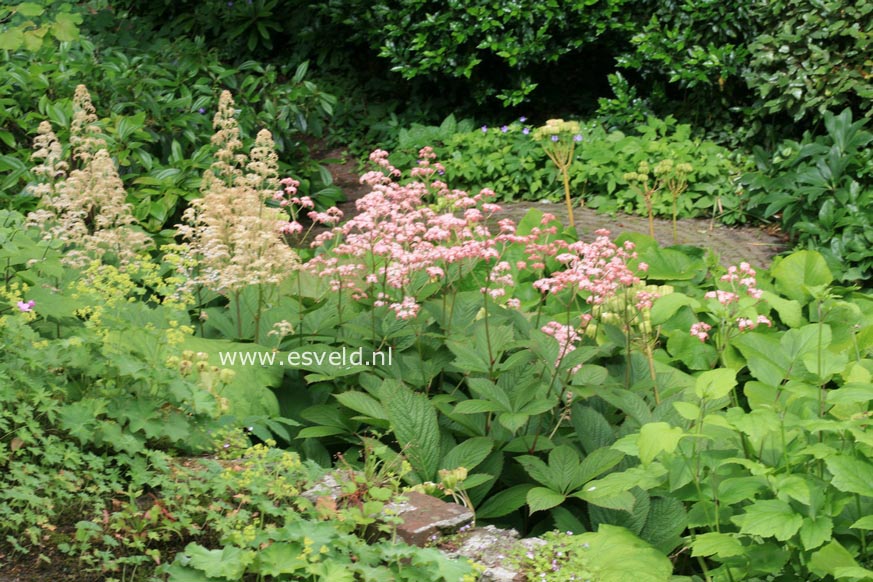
(592,429)
(414,422)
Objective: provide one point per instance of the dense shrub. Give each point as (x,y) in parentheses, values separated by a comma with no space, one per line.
(159,123)
(509,161)
(820,190)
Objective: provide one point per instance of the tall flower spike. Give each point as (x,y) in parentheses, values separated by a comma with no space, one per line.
(53,168)
(86,208)
(233,235)
(85,137)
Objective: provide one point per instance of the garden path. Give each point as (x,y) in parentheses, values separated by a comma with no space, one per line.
(733,244)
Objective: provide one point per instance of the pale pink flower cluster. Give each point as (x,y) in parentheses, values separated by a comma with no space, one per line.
(567,337)
(700,330)
(426,166)
(745,324)
(598,268)
(742,280)
(294,204)
(645,299)
(397,235)
(742,276)
(499,278)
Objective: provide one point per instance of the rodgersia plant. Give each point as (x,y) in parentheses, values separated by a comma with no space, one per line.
(234,237)
(84,207)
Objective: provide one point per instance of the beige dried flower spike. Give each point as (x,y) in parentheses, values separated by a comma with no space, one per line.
(86,208)
(231,232)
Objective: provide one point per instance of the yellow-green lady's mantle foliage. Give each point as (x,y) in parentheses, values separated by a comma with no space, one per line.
(85,207)
(231,232)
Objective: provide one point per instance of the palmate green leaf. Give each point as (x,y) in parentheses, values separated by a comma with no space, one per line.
(851,474)
(414,422)
(281,558)
(595,464)
(564,469)
(229,562)
(467,359)
(541,498)
(769,518)
(536,468)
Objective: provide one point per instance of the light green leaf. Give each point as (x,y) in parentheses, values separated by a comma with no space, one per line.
(29,9)
(863,523)
(815,532)
(657,437)
(714,384)
(769,518)
(618,556)
(851,474)
(281,558)
(720,545)
(831,558)
(765,356)
(801,274)
(229,562)
(540,499)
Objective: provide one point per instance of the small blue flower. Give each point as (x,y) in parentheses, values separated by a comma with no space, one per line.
(522,119)
(504,129)
(230,3)
(484,129)
(525,131)
(555,138)
(201,111)
(577,138)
